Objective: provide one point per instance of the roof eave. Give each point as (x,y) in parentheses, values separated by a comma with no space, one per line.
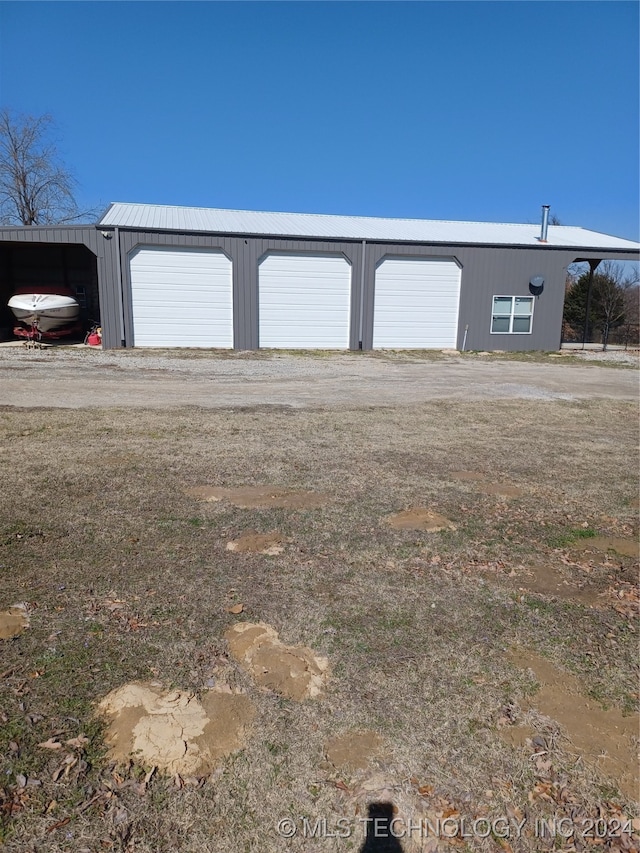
(378,240)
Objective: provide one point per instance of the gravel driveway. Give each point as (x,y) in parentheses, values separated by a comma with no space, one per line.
(78,378)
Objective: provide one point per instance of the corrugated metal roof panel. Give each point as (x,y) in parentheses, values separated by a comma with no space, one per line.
(162,217)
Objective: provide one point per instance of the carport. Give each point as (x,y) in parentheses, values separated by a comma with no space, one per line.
(57,255)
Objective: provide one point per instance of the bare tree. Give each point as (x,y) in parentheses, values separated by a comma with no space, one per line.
(631,326)
(608,299)
(614,296)
(613,288)
(36,188)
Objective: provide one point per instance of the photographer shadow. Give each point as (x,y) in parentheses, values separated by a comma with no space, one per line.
(380,837)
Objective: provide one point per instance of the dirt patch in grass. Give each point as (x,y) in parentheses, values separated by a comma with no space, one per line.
(173,730)
(485,486)
(603,737)
(626,547)
(13,621)
(502,490)
(295,672)
(517,736)
(261,497)
(353,750)
(468,476)
(420,519)
(547,580)
(251,542)
(605,587)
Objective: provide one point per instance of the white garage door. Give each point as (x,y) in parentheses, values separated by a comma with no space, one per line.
(416,304)
(181,298)
(305,302)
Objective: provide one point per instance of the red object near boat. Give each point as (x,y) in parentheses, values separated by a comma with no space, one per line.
(33,333)
(94,339)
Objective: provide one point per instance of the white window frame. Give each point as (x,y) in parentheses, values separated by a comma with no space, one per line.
(511,315)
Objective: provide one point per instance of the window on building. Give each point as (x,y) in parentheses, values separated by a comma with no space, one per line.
(512,315)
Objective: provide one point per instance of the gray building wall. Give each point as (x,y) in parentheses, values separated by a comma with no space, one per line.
(487,271)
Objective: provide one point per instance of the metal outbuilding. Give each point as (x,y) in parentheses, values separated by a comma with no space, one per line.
(199,277)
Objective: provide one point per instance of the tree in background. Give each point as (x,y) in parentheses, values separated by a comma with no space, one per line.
(36,188)
(611,297)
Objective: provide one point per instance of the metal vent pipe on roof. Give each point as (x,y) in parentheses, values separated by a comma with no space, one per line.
(545,223)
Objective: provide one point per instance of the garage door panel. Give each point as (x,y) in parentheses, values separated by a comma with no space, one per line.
(416,304)
(304,301)
(182,297)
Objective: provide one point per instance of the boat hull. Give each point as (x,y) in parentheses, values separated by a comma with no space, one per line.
(45,311)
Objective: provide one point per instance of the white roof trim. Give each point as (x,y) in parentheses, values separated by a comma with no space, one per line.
(315,225)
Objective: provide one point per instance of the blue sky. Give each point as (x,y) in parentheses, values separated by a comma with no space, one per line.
(457,110)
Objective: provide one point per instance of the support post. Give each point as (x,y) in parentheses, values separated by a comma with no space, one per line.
(585,332)
(123,341)
(363,256)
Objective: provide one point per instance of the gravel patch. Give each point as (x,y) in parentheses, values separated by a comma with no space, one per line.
(611,356)
(80,377)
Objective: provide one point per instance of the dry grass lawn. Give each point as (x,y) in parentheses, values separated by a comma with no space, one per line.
(128,578)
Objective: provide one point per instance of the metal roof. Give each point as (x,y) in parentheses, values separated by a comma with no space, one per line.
(212,220)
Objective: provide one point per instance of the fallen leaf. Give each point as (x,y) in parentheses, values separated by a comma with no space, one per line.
(70,762)
(121,816)
(450,812)
(543,766)
(541,791)
(58,824)
(236,609)
(77,742)
(52,743)
(101,796)
(341,785)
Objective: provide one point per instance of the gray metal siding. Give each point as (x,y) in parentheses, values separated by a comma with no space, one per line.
(487,271)
(84,234)
(110,315)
